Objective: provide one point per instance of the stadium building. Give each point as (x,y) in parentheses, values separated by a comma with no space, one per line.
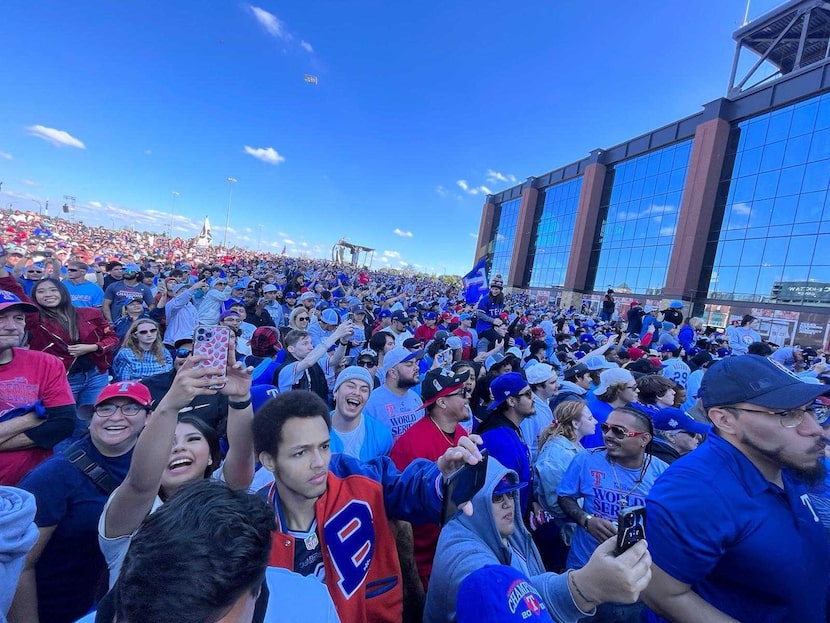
(727,210)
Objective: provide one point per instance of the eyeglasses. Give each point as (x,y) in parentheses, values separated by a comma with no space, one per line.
(619,432)
(367,363)
(146,332)
(463,392)
(525,394)
(791,418)
(183,353)
(633,388)
(127,409)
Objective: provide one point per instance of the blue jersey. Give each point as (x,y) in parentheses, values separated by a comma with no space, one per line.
(751,549)
(606,489)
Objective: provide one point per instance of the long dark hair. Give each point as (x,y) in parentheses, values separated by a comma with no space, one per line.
(211,437)
(64,313)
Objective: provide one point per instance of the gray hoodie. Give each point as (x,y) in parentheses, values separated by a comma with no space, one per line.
(469,543)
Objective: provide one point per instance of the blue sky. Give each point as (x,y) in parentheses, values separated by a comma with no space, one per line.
(419,109)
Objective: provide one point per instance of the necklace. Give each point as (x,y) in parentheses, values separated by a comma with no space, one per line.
(624,496)
(446,437)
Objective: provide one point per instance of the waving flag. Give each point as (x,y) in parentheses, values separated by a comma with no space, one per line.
(475,282)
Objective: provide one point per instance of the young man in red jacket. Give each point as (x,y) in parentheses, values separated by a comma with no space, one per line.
(332,511)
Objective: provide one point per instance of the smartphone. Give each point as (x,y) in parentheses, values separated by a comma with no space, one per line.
(631,527)
(444,357)
(212,342)
(462,485)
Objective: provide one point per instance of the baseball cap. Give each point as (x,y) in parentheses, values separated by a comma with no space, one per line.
(399,355)
(329,316)
(634,353)
(269,287)
(7,299)
(539,373)
(353,373)
(513,351)
(227,314)
(179,287)
(401,316)
(290,295)
(264,342)
(357,309)
(454,341)
(615,376)
(306,296)
(756,380)
(465,317)
(384,313)
(430,316)
(672,419)
(676,305)
(598,362)
(126,389)
(505,386)
(440,382)
(412,342)
(574,371)
(132,268)
(508,483)
(493,360)
(669,348)
(500,593)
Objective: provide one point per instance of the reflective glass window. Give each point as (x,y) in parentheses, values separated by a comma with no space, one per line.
(639,215)
(776,209)
(503,237)
(550,248)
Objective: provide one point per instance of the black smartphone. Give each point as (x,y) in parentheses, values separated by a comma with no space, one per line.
(462,485)
(631,527)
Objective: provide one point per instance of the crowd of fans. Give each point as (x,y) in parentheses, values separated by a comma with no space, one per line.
(303,480)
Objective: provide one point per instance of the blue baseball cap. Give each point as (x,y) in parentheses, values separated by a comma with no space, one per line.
(397,355)
(673,419)
(505,386)
(758,381)
(384,313)
(499,593)
(430,316)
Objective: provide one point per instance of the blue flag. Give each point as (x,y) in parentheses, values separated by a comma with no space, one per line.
(475,282)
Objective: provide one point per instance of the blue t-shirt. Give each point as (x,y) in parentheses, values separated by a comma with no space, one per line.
(397,413)
(751,549)
(602,485)
(377,440)
(86,294)
(71,563)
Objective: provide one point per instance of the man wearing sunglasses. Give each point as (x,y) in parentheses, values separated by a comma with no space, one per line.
(731,528)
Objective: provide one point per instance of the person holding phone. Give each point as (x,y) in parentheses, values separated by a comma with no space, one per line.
(494,534)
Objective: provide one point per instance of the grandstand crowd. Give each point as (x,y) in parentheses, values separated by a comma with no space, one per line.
(187,435)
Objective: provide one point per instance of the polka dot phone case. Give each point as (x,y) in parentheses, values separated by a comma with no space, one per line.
(212,342)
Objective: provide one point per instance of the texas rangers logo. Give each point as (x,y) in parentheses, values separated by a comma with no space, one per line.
(522,596)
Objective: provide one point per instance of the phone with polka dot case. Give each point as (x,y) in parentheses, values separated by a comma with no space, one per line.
(212,342)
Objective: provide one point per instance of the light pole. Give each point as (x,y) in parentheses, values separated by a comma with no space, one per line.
(172,209)
(231,181)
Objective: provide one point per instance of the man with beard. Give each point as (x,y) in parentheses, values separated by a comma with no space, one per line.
(395,404)
(758,552)
(119,293)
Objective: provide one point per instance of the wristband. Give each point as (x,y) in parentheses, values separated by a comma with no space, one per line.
(243,404)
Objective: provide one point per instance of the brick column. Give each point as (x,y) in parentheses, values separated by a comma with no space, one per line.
(521,243)
(696,209)
(587,221)
(485,228)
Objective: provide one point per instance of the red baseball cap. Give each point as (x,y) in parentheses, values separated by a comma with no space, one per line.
(126,389)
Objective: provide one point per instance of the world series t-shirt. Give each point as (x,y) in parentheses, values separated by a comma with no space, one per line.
(399,413)
(605,491)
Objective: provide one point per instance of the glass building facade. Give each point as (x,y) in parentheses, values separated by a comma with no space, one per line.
(638,220)
(771,231)
(503,237)
(553,231)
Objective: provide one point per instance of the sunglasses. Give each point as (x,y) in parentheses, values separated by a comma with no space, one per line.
(73,270)
(183,353)
(303,319)
(367,363)
(146,332)
(619,432)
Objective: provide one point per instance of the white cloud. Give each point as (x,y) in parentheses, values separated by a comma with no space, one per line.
(282,234)
(385,260)
(6,156)
(59,138)
(96,204)
(493,177)
(441,191)
(472,235)
(742,209)
(269,22)
(392,254)
(667,231)
(288,241)
(247,229)
(304,244)
(28,182)
(400,232)
(266,154)
(471,190)
(306,46)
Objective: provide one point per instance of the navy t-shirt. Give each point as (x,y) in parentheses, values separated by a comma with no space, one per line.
(71,565)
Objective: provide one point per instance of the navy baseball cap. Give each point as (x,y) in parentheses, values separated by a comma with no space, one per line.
(499,593)
(400,316)
(756,380)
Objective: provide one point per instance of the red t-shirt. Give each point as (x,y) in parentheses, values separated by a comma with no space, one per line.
(30,376)
(424,440)
(466,343)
